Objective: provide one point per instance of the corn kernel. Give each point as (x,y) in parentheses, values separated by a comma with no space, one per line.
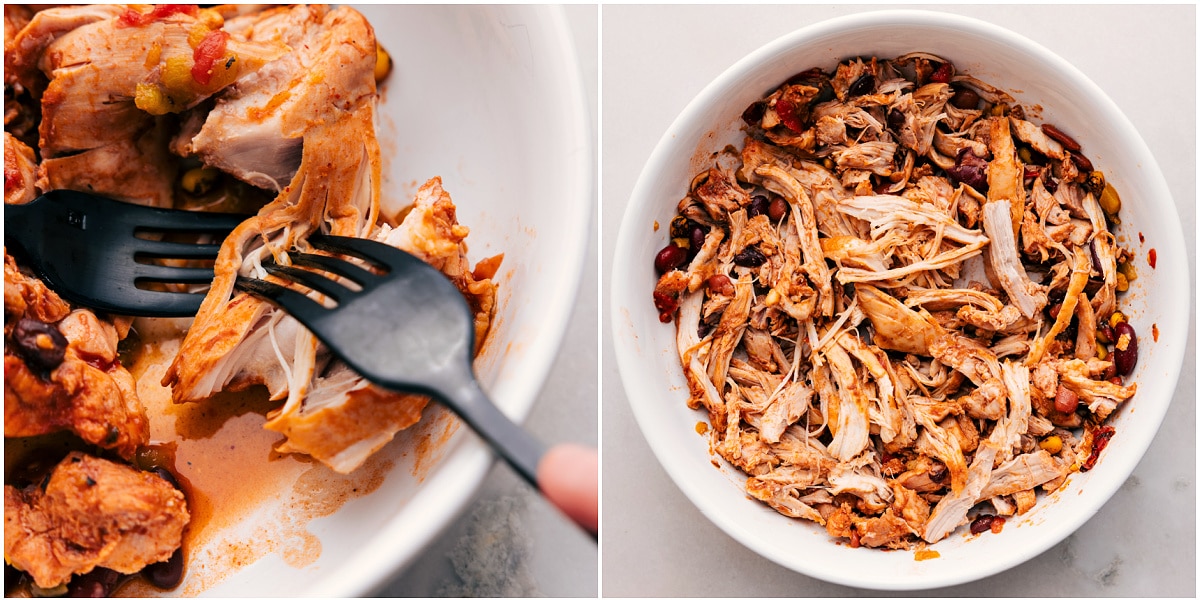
(197,33)
(1122,282)
(1110,201)
(1116,318)
(1051,444)
(1101,351)
(199,180)
(772,298)
(150,98)
(1128,270)
(177,77)
(383,63)
(153,55)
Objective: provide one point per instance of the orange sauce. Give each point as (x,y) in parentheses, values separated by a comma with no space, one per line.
(246,499)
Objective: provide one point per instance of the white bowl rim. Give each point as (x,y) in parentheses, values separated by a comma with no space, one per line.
(373,564)
(1118,467)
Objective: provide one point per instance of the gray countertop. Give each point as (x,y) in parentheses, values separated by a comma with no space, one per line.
(510,542)
(655,542)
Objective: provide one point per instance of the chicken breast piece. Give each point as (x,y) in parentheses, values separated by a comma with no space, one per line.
(112,70)
(91,513)
(62,373)
(256,131)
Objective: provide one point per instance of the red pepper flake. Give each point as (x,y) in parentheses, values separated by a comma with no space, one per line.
(133,18)
(1141,238)
(207,53)
(1154,330)
(1099,442)
(1152,258)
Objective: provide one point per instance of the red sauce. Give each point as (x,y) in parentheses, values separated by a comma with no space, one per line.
(1152,258)
(133,18)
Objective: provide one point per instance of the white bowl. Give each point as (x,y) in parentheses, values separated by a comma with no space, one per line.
(645,348)
(490,98)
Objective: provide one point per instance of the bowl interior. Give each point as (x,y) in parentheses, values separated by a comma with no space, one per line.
(1040,81)
(490,99)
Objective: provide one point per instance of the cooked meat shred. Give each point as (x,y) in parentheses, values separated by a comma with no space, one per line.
(88,513)
(78,386)
(121,100)
(883,356)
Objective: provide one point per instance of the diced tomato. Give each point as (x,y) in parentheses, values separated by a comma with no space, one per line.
(133,18)
(1099,442)
(943,73)
(210,50)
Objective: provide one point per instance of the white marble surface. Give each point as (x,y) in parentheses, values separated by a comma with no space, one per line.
(656,543)
(524,547)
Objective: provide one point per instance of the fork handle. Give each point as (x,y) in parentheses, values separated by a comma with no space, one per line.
(513,444)
(566,476)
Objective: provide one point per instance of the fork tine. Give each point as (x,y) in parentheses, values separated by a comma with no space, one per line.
(166,274)
(189,221)
(362,248)
(336,266)
(313,281)
(161,249)
(303,308)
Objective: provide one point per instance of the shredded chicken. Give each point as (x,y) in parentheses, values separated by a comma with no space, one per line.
(91,512)
(906,282)
(61,370)
(217,108)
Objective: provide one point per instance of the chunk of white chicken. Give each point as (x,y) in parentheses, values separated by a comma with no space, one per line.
(111,70)
(1026,295)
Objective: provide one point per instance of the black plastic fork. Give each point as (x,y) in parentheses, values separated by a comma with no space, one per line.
(403,325)
(100,253)
(428,350)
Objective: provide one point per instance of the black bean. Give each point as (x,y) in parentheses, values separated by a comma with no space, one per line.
(98,583)
(862,86)
(969,169)
(982,524)
(166,574)
(750,257)
(938,472)
(965,98)
(167,476)
(758,205)
(42,345)
(754,113)
(696,237)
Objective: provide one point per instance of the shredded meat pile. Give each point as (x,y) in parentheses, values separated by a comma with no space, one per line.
(897,302)
(234,108)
